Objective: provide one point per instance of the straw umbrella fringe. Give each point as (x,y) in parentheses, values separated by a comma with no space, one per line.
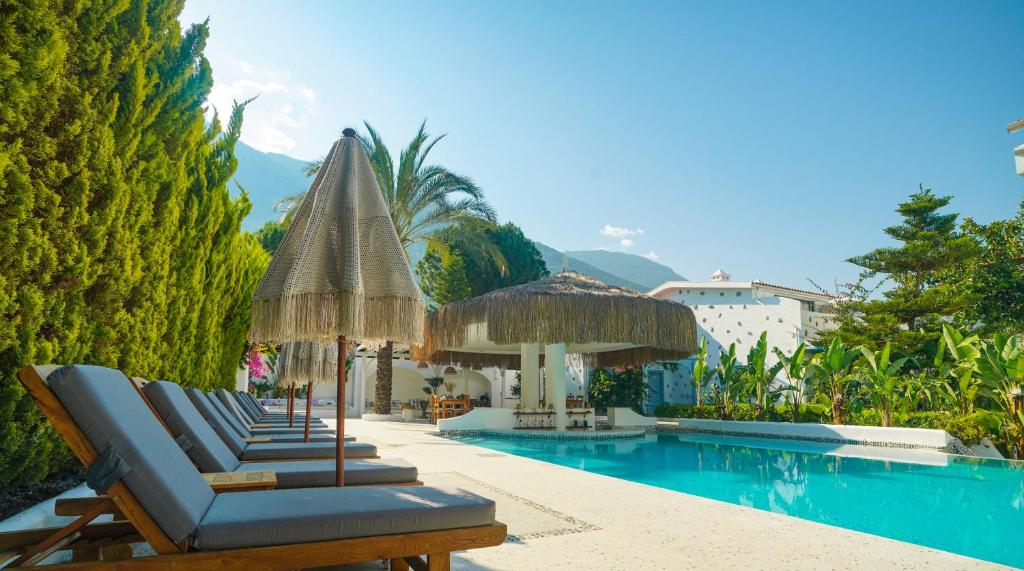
(305,363)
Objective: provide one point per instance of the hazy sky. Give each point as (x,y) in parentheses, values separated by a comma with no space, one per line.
(770,139)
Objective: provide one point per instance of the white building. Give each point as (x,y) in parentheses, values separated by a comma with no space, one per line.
(737,312)
(1018,153)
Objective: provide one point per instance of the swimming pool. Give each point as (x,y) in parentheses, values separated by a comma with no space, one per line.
(969,506)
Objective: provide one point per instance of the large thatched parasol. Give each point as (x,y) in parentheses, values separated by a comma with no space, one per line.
(340,272)
(611,324)
(559,314)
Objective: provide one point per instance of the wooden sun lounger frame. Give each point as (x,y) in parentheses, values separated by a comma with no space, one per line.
(403,550)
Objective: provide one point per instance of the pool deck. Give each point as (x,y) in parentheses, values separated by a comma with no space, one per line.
(562,518)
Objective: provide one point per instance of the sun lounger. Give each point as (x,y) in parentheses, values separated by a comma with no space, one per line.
(256,447)
(234,433)
(256,411)
(259,430)
(256,416)
(211,454)
(150,481)
(231,405)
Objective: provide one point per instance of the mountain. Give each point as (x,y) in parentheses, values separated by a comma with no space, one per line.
(267,177)
(557,261)
(637,269)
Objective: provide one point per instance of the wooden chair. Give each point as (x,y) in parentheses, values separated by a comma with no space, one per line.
(28,547)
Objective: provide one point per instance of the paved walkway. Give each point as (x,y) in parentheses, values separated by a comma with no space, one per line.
(561,518)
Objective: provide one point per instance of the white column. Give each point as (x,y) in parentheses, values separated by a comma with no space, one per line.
(355,382)
(529,388)
(554,372)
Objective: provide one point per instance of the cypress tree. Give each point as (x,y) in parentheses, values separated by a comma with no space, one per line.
(119,241)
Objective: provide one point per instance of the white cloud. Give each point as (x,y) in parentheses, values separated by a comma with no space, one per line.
(652,256)
(626,243)
(619,231)
(307,92)
(282,108)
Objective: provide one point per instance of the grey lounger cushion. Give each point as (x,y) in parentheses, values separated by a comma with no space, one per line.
(279,451)
(207,450)
(250,519)
(112,415)
(317,473)
(220,424)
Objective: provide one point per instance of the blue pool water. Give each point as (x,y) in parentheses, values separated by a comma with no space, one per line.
(970,506)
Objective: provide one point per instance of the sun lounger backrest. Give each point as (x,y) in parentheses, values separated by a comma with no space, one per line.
(244,410)
(246,406)
(230,404)
(117,422)
(228,436)
(256,402)
(207,450)
(241,429)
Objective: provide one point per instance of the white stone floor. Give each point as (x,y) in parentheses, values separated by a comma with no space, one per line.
(562,518)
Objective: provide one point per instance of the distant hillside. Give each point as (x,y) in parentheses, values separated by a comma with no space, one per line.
(637,269)
(556,262)
(267,177)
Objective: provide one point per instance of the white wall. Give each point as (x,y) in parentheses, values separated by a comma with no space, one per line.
(738,315)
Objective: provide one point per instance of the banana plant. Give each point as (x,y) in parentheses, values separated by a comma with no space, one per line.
(960,376)
(702,374)
(799,373)
(883,384)
(728,371)
(833,369)
(760,378)
(1002,369)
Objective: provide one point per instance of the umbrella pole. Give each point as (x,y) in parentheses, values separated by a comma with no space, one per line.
(309,406)
(339,468)
(291,405)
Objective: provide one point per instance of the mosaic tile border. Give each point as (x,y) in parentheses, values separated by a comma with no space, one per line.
(575,525)
(955,446)
(528,435)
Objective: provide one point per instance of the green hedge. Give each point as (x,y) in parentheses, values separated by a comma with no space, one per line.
(119,241)
(969,429)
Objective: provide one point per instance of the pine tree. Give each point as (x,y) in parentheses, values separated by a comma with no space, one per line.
(910,313)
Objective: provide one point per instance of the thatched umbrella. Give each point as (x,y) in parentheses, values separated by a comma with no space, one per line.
(566,313)
(305,363)
(340,272)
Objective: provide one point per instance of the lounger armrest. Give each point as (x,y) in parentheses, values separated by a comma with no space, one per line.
(256,440)
(80,506)
(222,482)
(259,425)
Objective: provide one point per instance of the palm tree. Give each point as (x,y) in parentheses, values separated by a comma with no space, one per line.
(427,202)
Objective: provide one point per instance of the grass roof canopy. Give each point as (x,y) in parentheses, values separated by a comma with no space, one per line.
(568,308)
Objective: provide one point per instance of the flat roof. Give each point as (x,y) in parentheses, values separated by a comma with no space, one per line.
(792,292)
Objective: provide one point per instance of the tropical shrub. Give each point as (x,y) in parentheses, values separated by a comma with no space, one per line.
(759,377)
(799,375)
(729,387)
(120,244)
(882,383)
(833,370)
(620,387)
